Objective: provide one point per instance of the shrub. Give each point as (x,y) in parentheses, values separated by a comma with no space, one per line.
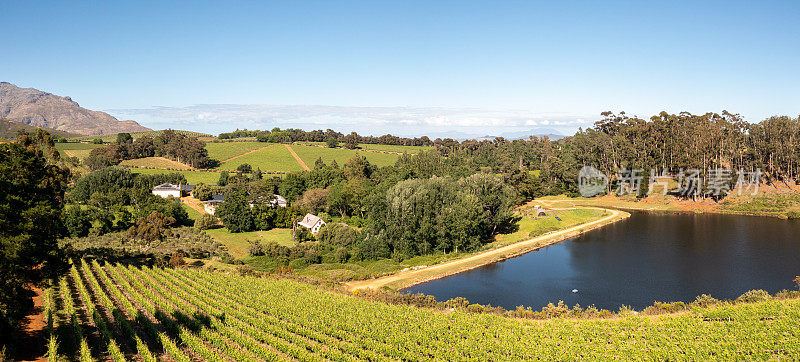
(256,248)
(245,168)
(753,296)
(705,300)
(206,221)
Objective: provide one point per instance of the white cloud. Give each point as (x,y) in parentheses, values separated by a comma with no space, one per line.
(406,121)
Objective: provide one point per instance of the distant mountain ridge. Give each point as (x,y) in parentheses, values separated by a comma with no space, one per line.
(41,109)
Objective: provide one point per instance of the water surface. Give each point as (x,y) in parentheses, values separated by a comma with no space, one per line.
(646,258)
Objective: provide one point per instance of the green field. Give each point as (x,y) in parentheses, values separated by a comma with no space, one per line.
(115,312)
(238,245)
(273,158)
(79,150)
(192,177)
(310,154)
(193,214)
(154,162)
(112,137)
(222,151)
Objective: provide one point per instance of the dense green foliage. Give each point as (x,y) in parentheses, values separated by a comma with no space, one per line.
(31,202)
(113,198)
(351,140)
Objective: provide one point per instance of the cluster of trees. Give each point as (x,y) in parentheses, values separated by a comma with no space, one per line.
(31,201)
(350,140)
(168,144)
(113,199)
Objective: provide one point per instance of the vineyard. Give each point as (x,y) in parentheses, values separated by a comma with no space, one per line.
(105,311)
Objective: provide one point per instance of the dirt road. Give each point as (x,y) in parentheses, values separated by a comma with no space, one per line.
(296,157)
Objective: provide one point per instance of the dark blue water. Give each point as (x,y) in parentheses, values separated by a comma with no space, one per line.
(646,258)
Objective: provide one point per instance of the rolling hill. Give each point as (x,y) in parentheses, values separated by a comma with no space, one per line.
(9,129)
(41,109)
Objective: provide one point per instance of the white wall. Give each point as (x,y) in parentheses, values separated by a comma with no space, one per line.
(166,194)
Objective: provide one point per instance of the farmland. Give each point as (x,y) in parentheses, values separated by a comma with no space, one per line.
(271,159)
(155,162)
(79,150)
(192,177)
(310,154)
(223,151)
(105,311)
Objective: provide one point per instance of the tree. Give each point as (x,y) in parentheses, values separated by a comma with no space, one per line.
(223,178)
(31,206)
(124,137)
(245,168)
(154,227)
(332,143)
(314,200)
(97,141)
(235,212)
(77,221)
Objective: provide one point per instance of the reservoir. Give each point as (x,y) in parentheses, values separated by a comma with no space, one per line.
(645,258)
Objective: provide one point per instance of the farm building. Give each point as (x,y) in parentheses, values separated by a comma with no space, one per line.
(312,222)
(211,205)
(167,189)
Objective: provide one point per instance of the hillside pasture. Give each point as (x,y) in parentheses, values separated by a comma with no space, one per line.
(271,159)
(310,154)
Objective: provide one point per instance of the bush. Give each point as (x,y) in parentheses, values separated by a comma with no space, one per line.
(245,168)
(705,300)
(256,248)
(206,221)
(753,296)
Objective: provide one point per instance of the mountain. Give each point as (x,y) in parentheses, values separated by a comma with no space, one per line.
(9,129)
(41,109)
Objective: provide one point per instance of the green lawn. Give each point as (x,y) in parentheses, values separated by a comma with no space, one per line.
(222,151)
(238,245)
(193,214)
(274,158)
(192,177)
(310,154)
(530,227)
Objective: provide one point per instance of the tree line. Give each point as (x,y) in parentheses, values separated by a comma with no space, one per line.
(277,135)
(168,144)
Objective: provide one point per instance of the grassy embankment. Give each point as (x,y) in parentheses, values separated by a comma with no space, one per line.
(774,203)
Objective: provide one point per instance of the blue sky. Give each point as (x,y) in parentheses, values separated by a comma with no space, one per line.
(406,67)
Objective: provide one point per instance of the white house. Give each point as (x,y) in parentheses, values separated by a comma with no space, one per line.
(167,189)
(312,222)
(279,201)
(211,205)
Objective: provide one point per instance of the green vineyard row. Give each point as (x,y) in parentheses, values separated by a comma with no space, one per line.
(117,312)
